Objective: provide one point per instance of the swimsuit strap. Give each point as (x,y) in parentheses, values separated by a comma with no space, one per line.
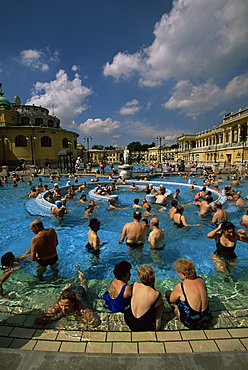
(122,289)
(184,292)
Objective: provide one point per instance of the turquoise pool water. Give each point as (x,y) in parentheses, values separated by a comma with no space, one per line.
(228,299)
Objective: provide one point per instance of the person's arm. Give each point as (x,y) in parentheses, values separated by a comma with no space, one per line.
(152,241)
(50,314)
(159,311)
(184,222)
(33,249)
(128,292)
(123,234)
(214,234)
(242,236)
(3,278)
(175,294)
(88,317)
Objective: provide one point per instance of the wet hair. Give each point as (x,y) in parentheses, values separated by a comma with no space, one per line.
(209,198)
(227,225)
(173,203)
(121,269)
(185,267)
(94,222)
(147,275)
(136,201)
(146,221)
(137,215)
(83,196)
(162,191)
(68,294)
(7,258)
(218,205)
(180,209)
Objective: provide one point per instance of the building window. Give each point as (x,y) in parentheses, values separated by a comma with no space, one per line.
(38,121)
(46,141)
(65,143)
(25,121)
(50,123)
(75,144)
(20,140)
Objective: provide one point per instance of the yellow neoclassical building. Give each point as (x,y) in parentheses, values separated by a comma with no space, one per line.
(29,134)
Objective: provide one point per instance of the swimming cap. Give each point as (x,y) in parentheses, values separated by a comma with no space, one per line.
(58,203)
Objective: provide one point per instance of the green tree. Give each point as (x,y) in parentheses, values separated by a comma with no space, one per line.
(99,147)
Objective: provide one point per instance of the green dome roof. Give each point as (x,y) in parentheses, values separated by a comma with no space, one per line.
(4,103)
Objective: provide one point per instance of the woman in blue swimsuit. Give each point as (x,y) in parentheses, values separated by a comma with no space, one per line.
(189,298)
(118,295)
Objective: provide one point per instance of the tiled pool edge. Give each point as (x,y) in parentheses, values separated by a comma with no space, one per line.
(160,342)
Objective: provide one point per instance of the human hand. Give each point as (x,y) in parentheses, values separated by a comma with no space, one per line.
(241,231)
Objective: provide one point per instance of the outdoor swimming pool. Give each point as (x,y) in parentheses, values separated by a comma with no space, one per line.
(189,242)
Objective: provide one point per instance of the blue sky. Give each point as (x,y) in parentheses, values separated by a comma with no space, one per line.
(127,70)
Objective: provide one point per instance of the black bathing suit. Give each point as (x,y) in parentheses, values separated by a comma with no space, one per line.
(180,224)
(135,245)
(48,261)
(146,322)
(225,252)
(91,249)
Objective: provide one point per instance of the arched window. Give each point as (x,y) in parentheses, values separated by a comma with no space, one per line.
(75,144)
(46,141)
(38,121)
(50,123)
(20,140)
(65,143)
(25,121)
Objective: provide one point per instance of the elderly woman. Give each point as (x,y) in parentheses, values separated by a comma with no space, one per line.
(189,298)
(118,295)
(146,308)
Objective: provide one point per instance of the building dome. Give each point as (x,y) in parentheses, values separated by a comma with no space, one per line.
(4,103)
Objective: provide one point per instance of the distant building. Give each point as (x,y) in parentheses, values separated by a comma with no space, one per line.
(29,134)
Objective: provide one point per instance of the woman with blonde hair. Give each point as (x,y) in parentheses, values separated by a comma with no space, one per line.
(189,298)
(146,308)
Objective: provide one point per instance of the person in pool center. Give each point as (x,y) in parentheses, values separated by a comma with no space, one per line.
(70,302)
(189,298)
(134,232)
(43,248)
(58,211)
(226,238)
(146,308)
(118,295)
(156,236)
(93,246)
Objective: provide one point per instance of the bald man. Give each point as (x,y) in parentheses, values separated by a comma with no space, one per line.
(156,236)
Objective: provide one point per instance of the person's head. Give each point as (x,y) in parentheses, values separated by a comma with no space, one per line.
(67,301)
(147,275)
(94,224)
(33,188)
(58,203)
(180,209)
(185,267)
(36,226)
(177,191)
(83,197)
(145,221)
(174,203)
(218,205)
(228,228)
(8,259)
(112,201)
(154,222)
(122,271)
(162,191)
(209,198)
(136,201)
(137,215)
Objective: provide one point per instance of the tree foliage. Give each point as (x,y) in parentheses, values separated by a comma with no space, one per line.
(136,146)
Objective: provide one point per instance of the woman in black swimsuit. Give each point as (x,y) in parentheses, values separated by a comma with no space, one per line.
(226,238)
(179,219)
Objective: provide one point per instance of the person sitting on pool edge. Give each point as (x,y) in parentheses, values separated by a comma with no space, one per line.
(9,263)
(118,295)
(189,298)
(70,302)
(93,246)
(146,307)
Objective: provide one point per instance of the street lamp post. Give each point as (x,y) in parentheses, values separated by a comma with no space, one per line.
(88,139)
(215,151)
(160,139)
(32,144)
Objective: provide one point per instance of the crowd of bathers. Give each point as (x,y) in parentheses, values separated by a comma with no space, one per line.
(141,304)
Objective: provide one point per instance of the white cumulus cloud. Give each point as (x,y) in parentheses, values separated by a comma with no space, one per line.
(38,59)
(130,108)
(98,127)
(65,97)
